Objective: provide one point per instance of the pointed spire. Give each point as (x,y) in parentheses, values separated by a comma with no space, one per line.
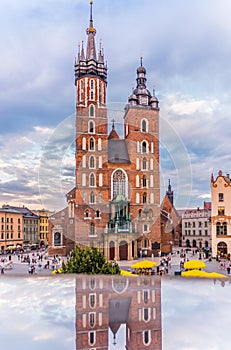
(169,193)
(91,32)
(82,56)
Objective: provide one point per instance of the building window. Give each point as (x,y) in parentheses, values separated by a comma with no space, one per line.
(87,214)
(92,180)
(92,198)
(92,162)
(144,198)
(145,296)
(92,283)
(146,314)
(221,197)
(92,338)
(92,144)
(92,84)
(92,300)
(144,164)
(92,110)
(144,181)
(97,214)
(91,127)
(144,147)
(221,228)
(92,319)
(144,125)
(92,229)
(119,184)
(221,210)
(146,337)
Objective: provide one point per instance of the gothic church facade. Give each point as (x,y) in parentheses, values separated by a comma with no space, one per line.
(116,202)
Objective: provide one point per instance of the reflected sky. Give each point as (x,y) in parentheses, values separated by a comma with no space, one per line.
(39,313)
(195,314)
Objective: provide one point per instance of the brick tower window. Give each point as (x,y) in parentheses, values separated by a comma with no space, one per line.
(119,184)
(91,127)
(92,110)
(92,144)
(144,125)
(92,162)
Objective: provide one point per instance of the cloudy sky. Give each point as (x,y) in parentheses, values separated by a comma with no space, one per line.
(186,50)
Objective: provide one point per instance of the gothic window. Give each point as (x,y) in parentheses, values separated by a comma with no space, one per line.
(92,229)
(92,319)
(144,125)
(87,214)
(92,180)
(144,164)
(92,300)
(97,214)
(92,338)
(146,314)
(146,337)
(144,147)
(92,84)
(92,198)
(144,198)
(140,213)
(91,127)
(144,181)
(92,110)
(119,183)
(92,162)
(92,144)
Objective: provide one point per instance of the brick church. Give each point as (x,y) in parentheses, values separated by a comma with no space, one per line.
(116,202)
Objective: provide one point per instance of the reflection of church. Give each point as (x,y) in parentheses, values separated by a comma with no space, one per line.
(106,303)
(116,202)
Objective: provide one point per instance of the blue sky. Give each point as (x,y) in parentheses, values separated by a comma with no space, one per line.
(186,50)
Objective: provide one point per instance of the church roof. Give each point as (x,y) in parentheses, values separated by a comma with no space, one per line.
(113,135)
(118,152)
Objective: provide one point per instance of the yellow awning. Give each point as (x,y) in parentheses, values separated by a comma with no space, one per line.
(127,273)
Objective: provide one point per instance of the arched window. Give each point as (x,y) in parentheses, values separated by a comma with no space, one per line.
(140,213)
(146,337)
(92,162)
(92,198)
(119,183)
(144,164)
(144,181)
(92,84)
(92,338)
(86,214)
(92,301)
(97,214)
(92,319)
(57,238)
(92,144)
(144,147)
(91,127)
(92,110)
(144,197)
(92,180)
(92,229)
(144,125)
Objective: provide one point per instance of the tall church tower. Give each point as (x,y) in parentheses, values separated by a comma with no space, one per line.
(91,140)
(141,128)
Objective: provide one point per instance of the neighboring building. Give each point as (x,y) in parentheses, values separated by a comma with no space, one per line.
(61,236)
(170,223)
(11,233)
(221,214)
(196,227)
(116,201)
(43,226)
(29,226)
(108,302)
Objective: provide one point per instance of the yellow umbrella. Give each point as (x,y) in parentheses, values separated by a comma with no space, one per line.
(127,273)
(194,264)
(144,264)
(217,275)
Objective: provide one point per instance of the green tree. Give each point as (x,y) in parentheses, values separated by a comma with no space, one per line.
(89,260)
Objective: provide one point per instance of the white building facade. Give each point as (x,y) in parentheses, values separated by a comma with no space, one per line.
(221,214)
(196,227)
